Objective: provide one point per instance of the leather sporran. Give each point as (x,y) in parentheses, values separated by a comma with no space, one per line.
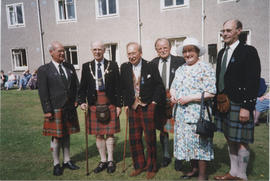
(103,113)
(205,128)
(223,103)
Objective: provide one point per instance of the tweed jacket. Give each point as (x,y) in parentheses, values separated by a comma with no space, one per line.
(52,91)
(151,85)
(87,88)
(242,76)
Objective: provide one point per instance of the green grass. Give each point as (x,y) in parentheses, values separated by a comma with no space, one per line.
(25,153)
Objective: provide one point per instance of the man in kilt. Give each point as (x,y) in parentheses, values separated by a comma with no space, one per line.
(167,65)
(57,87)
(142,89)
(238,78)
(100,86)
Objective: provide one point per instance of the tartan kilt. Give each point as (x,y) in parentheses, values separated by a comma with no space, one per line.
(64,122)
(232,128)
(95,127)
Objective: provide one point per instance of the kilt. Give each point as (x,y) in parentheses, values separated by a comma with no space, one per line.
(141,121)
(232,128)
(65,122)
(95,127)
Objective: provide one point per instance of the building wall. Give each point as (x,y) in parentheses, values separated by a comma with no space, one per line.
(173,23)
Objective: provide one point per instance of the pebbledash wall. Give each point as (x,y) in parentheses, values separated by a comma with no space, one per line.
(28,27)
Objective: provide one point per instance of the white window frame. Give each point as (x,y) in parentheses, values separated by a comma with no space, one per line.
(16,24)
(174,6)
(176,42)
(99,16)
(14,64)
(57,13)
(76,66)
(108,52)
(225,1)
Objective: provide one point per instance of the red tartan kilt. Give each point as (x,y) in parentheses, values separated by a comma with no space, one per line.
(65,122)
(97,128)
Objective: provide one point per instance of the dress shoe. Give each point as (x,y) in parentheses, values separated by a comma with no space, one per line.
(137,172)
(70,165)
(165,162)
(227,176)
(150,175)
(101,166)
(185,176)
(178,165)
(111,167)
(57,170)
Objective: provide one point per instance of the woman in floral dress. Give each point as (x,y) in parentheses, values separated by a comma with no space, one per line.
(191,79)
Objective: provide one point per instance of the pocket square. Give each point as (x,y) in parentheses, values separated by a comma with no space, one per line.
(148,76)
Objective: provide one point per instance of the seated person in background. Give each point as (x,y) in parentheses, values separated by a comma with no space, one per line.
(33,81)
(24,80)
(11,80)
(262,105)
(4,78)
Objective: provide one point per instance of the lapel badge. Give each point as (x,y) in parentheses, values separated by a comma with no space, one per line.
(233,59)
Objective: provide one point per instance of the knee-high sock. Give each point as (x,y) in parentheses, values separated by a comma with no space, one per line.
(233,153)
(101,146)
(164,140)
(243,158)
(110,146)
(55,147)
(65,147)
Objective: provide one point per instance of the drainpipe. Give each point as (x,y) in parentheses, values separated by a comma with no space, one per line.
(203,21)
(139,23)
(41,33)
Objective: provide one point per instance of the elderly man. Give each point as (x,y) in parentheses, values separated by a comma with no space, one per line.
(100,86)
(142,89)
(58,86)
(167,65)
(238,78)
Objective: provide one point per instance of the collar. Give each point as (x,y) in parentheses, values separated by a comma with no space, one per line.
(56,64)
(102,62)
(138,66)
(234,45)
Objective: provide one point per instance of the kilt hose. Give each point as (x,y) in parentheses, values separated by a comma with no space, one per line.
(142,120)
(232,128)
(64,122)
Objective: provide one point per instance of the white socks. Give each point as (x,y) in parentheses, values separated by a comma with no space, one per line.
(233,153)
(243,158)
(110,145)
(101,146)
(55,147)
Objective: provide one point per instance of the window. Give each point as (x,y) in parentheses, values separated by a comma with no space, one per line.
(224,1)
(15,15)
(71,54)
(65,10)
(175,43)
(105,8)
(112,53)
(19,59)
(169,4)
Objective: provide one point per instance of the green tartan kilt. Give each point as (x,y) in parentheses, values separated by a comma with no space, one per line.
(231,126)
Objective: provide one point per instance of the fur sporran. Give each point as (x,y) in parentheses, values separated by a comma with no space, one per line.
(223,103)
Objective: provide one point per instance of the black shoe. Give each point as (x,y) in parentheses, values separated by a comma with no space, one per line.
(111,167)
(101,166)
(70,165)
(165,162)
(177,165)
(57,170)
(184,177)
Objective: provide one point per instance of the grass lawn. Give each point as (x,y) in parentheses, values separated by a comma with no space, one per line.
(25,153)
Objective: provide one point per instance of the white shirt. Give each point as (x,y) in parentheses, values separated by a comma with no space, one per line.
(168,64)
(57,68)
(230,51)
(137,69)
(102,71)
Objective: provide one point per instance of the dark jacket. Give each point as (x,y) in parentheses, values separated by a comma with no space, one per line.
(52,91)
(151,86)
(87,88)
(242,76)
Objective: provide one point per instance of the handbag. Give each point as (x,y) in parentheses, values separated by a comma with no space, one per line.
(205,128)
(103,113)
(223,103)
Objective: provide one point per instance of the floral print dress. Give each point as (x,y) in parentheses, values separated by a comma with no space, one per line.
(190,80)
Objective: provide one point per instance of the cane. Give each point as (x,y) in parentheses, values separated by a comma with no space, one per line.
(86,142)
(125,143)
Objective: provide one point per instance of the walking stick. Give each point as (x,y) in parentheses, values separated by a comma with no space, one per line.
(125,143)
(86,142)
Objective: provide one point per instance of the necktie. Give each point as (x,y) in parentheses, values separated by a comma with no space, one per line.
(223,70)
(163,74)
(100,79)
(62,74)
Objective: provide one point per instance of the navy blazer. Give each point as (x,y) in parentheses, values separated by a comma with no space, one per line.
(176,62)
(52,91)
(87,88)
(151,85)
(242,76)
